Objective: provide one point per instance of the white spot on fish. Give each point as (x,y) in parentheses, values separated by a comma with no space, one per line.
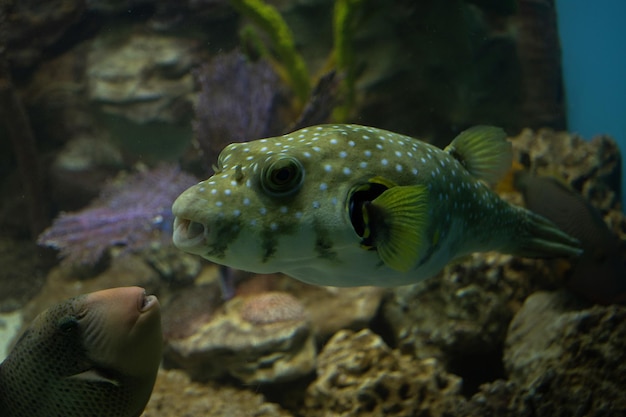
(363,164)
(236,213)
(343,154)
(227,191)
(263,211)
(323,186)
(333,141)
(379,146)
(347,171)
(398,167)
(384,162)
(307,154)
(398,154)
(214,191)
(273,226)
(316,204)
(219,203)
(414,171)
(328,168)
(246,201)
(351,143)
(367,153)
(298,214)
(283,209)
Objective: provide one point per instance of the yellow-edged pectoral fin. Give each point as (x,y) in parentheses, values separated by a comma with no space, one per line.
(398,219)
(483,151)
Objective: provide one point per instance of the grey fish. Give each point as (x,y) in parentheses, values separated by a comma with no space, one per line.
(599,274)
(349,205)
(95,355)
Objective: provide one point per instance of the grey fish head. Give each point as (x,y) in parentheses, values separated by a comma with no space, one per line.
(96,354)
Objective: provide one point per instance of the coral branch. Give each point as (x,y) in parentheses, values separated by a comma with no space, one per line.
(133,213)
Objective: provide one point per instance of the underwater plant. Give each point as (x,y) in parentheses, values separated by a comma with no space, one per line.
(270,20)
(132,212)
(344,24)
(290,63)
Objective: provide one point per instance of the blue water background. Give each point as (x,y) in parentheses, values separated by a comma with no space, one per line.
(593,41)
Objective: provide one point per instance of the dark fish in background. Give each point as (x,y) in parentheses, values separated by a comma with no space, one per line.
(95,355)
(599,274)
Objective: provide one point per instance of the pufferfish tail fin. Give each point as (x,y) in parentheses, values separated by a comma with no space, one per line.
(538,237)
(483,151)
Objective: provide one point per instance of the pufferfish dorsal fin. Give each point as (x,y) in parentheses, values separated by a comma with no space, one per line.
(397,221)
(483,151)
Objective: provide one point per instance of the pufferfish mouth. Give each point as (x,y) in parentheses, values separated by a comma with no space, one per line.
(189,234)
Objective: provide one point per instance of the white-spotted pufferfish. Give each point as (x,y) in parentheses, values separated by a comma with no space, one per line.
(349,205)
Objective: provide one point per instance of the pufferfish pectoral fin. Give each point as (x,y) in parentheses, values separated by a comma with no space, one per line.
(483,151)
(397,221)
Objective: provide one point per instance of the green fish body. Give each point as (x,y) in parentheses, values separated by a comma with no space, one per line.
(94,355)
(349,205)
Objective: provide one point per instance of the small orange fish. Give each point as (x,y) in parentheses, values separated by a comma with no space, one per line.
(94,355)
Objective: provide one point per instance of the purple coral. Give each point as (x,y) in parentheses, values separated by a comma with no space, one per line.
(132,212)
(236,103)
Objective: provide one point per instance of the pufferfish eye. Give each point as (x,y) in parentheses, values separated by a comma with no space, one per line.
(282,176)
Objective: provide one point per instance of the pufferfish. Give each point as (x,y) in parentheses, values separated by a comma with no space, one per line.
(350,205)
(94,355)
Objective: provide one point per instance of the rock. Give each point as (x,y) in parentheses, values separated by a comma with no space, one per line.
(174,395)
(21,277)
(464,312)
(568,360)
(10,325)
(358,306)
(142,77)
(187,309)
(359,375)
(63,282)
(32,26)
(590,167)
(81,169)
(260,338)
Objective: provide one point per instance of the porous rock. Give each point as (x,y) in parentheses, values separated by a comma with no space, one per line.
(175,395)
(590,167)
(569,360)
(32,26)
(359,375)
(142,77)
(260,338)
(21,277)
(465,310)
(358,305)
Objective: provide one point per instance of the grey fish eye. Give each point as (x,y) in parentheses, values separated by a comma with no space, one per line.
(282,176)
(68,324)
